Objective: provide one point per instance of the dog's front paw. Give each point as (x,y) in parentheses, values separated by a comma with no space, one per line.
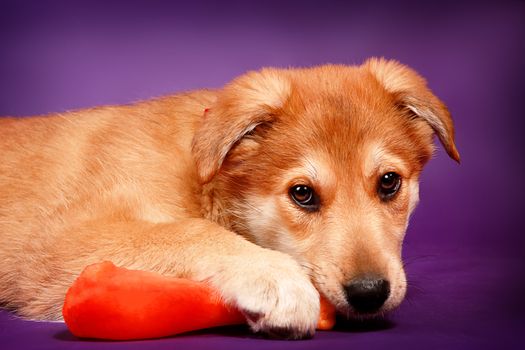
(274,293)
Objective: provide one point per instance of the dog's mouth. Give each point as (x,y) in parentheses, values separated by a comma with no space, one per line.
(364,298)
(351,314)
(351,320)
(363,311)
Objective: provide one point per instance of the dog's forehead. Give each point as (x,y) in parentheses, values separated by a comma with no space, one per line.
(334,82)
(342,115)
(347,122)
(346,96)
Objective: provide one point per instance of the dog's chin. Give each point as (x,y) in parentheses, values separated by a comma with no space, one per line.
(351,315)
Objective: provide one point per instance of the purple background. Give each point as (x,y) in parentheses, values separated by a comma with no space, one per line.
(464,248)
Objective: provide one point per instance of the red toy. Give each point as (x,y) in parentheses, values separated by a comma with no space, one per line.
(110,302)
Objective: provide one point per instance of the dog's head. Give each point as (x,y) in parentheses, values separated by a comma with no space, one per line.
(323,164)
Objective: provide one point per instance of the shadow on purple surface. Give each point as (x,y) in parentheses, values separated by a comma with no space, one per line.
(343,326)
(227,331)
(363,326)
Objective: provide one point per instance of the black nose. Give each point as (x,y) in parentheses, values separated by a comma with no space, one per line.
(367,294)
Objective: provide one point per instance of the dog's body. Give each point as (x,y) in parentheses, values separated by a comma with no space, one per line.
(214,185)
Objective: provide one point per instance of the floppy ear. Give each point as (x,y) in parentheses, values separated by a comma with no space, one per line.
(411,92)
(242,105)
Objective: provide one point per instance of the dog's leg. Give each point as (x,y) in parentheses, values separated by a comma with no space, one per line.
(270,287)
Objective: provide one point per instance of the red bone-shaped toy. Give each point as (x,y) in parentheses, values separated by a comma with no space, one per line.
(110,302)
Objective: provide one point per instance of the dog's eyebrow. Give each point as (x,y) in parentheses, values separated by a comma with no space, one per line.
(311,169)
(379,157)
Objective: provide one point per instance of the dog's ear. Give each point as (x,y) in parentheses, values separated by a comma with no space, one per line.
(246,102)
(411,92)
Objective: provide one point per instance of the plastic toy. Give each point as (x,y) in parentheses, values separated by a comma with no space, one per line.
(114,303)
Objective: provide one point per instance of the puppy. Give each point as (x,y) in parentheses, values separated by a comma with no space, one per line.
(284,184)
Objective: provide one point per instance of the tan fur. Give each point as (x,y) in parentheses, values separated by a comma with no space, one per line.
(164,186)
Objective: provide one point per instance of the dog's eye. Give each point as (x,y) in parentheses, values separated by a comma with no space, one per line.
(305,197)
(389,185)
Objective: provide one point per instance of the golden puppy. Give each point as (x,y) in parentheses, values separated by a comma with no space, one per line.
(284,184)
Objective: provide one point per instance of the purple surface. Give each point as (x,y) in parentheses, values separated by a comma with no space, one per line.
(465,244)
